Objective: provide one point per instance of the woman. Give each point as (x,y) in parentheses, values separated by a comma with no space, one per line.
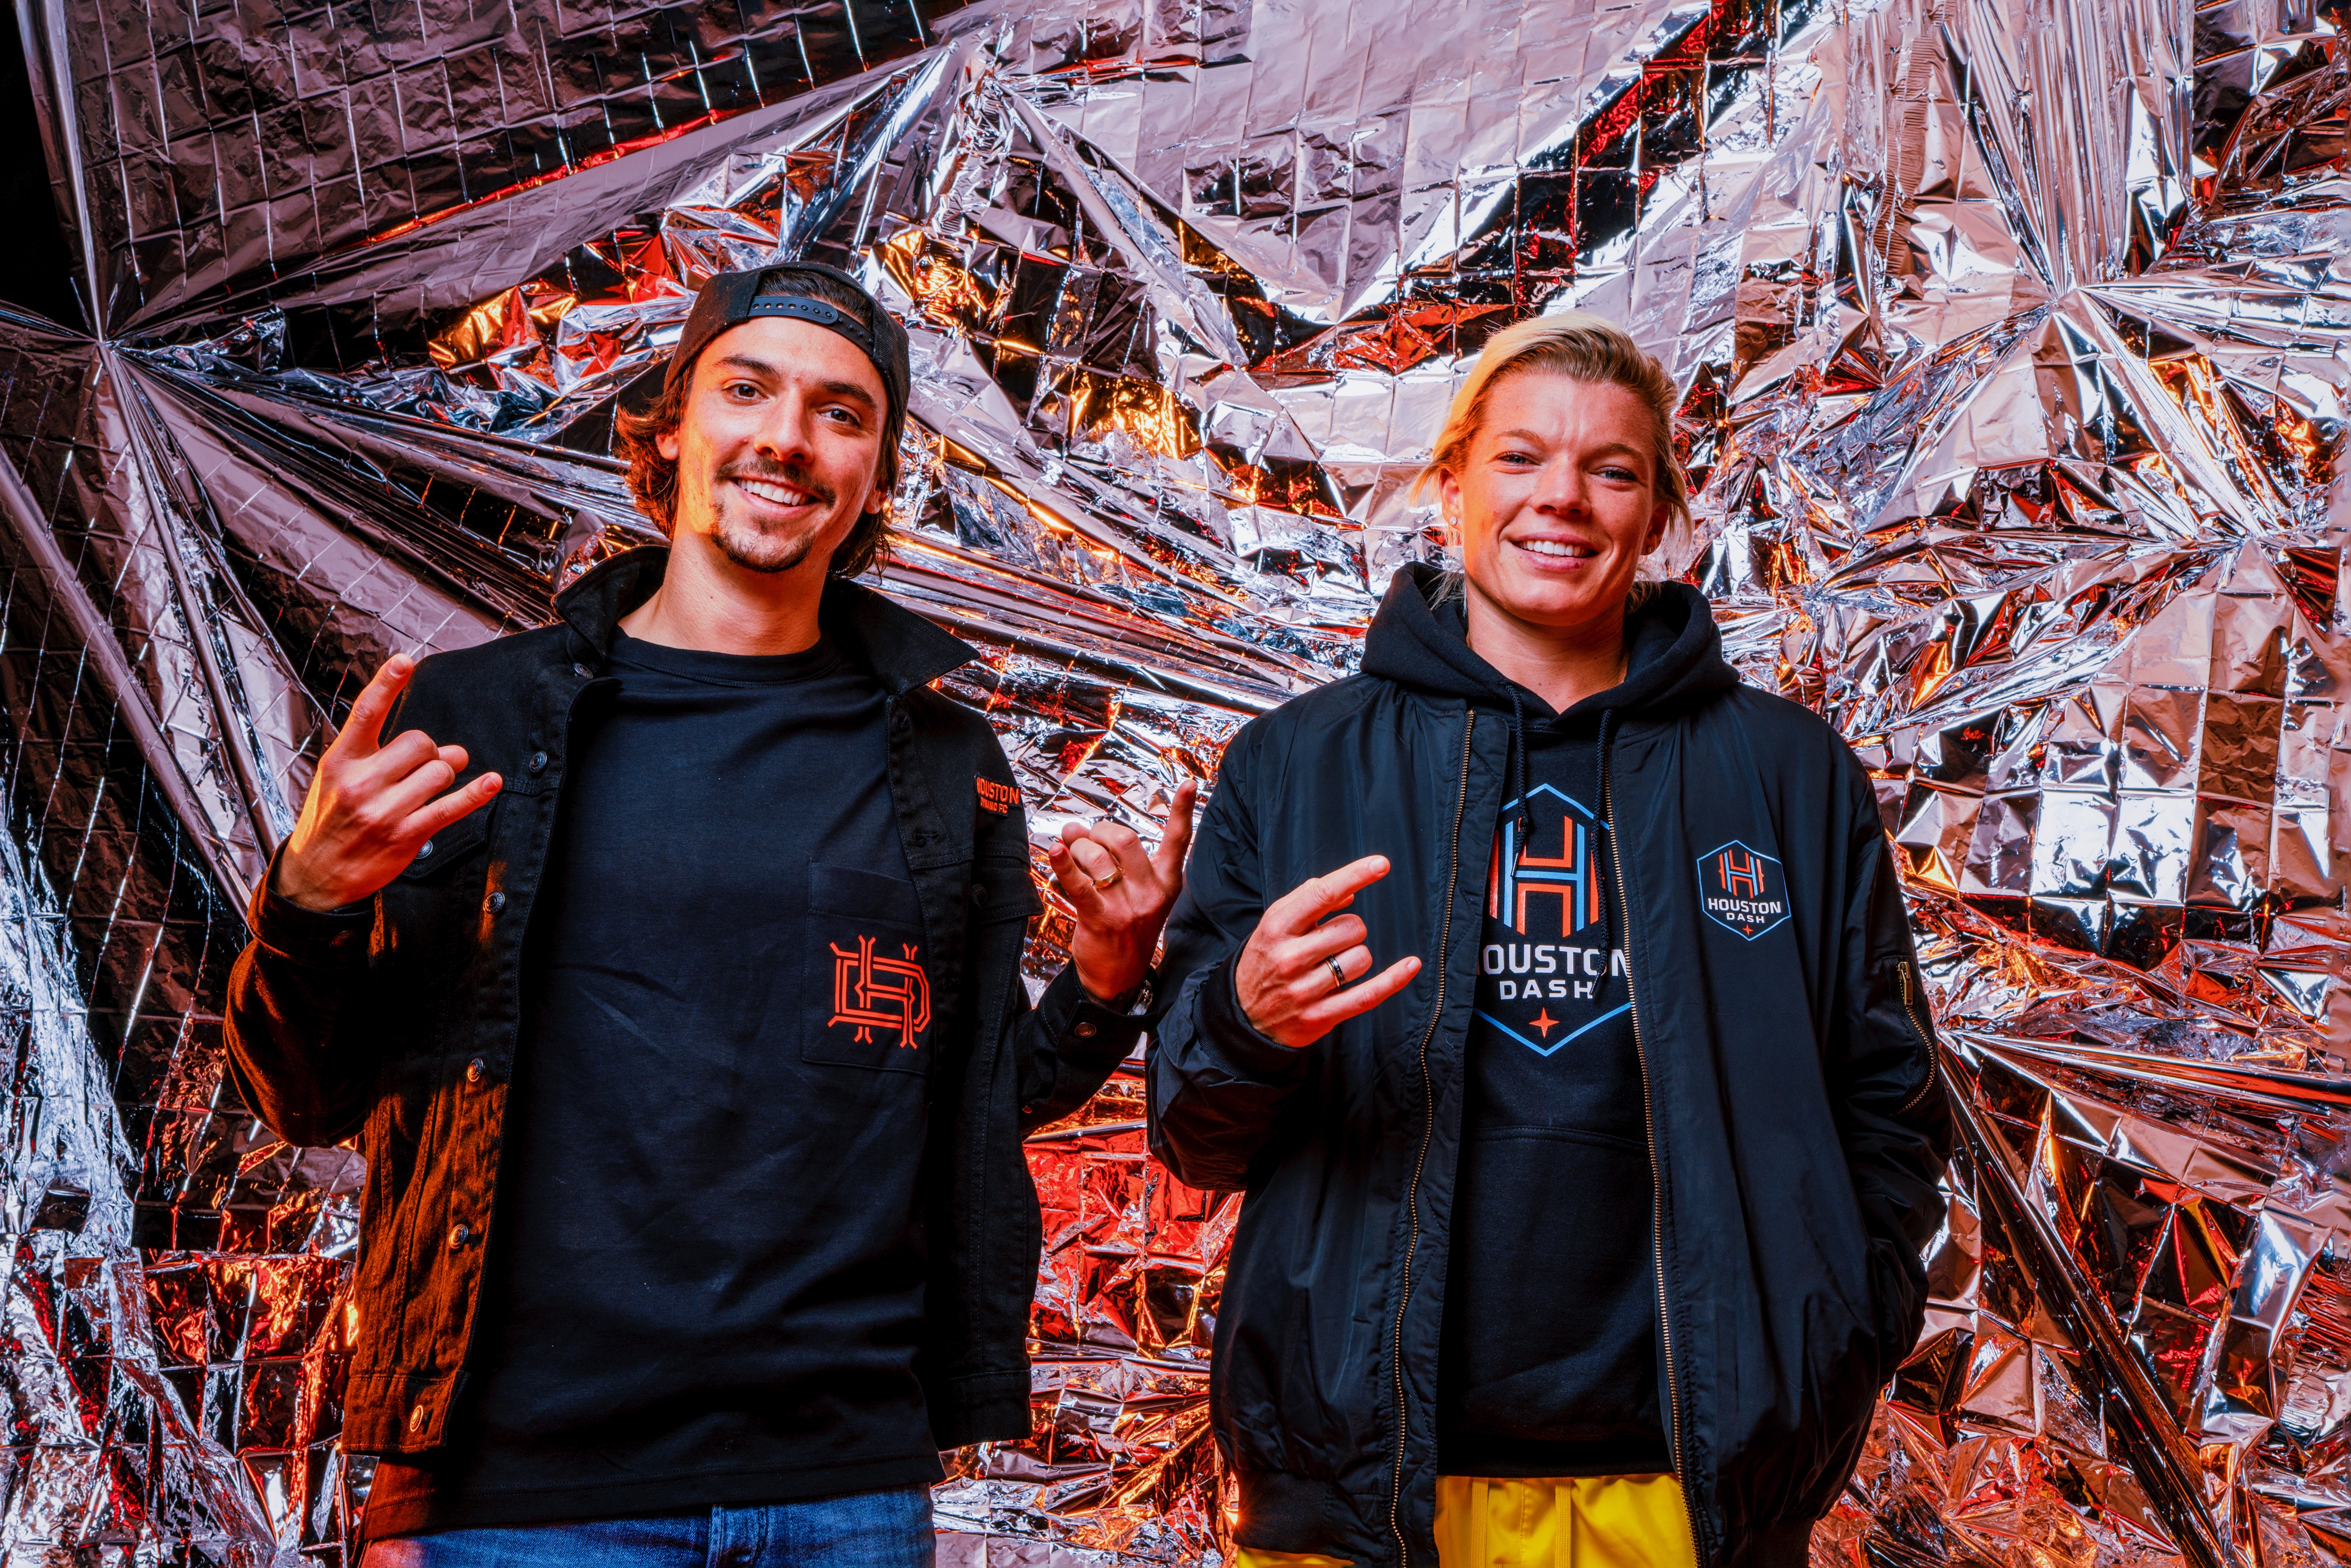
(1594,1244)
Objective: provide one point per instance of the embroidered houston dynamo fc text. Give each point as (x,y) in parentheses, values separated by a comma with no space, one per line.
(997,798)
(1547,971)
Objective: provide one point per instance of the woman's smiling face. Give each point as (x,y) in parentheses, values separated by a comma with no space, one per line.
(1556,499)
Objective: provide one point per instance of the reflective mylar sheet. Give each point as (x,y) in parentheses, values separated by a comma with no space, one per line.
(2014,341)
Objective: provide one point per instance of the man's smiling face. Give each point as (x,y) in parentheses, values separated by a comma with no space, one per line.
(780,449)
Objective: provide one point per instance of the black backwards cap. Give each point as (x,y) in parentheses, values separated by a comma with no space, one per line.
(731,298)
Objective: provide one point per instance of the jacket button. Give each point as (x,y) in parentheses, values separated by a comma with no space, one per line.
(459,1235)
(538,761)
(425,850)
(978,893)
(498,902)
(416,1420)
(1085,1032)
(583,672)
(473,1070)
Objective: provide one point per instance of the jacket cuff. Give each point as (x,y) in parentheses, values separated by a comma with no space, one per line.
(1227,1027)
(981,1408)
(334,939)
(1076,1023)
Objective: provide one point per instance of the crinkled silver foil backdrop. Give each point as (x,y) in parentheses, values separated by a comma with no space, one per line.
(2016,336)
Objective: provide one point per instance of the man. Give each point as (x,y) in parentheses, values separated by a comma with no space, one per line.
(1593,1245)
(665,961)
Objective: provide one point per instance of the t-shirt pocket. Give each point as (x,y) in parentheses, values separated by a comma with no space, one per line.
(868,972)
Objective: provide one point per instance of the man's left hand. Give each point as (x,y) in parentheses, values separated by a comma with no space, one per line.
(1121,893)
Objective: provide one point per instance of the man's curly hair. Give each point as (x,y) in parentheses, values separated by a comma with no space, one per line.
(652,478)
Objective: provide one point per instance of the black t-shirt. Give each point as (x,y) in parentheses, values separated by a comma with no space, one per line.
(1549,1365)
(706,1268)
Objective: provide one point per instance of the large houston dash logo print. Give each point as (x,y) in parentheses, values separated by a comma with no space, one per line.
(1742,890)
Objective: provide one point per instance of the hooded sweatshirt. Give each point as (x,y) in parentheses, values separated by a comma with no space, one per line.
(1549,1359)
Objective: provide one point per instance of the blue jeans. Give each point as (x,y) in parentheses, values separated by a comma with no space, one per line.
(868,1530)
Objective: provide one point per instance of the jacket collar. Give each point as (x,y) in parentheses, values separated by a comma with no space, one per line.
(1674,652)
(898,647)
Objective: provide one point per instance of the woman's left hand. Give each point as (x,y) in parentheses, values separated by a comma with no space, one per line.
(1121,893)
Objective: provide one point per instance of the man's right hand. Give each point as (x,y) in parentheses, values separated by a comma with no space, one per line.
(1284,976)
(371,807)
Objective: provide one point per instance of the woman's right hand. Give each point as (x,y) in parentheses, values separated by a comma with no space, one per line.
(1285,976)
(370,807)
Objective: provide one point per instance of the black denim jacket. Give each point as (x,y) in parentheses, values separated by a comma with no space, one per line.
(396,1020)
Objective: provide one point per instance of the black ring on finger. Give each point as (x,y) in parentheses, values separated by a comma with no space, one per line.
(1338,974)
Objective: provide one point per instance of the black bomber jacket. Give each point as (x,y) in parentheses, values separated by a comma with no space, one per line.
(396,1021)
(1797,1130)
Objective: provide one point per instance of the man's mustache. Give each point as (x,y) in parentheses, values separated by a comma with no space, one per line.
(799,479)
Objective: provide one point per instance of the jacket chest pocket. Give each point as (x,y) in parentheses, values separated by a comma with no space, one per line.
(433,903)
(869,973)
(439,858)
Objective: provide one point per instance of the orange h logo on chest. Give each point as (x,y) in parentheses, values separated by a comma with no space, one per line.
(873,992)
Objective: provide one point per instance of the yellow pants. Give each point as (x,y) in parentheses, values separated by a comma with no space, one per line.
(1576,1521)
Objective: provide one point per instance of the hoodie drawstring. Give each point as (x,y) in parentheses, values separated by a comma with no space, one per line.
(1611,914)
(1515,766)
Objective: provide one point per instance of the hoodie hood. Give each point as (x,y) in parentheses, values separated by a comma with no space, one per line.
(1675,654)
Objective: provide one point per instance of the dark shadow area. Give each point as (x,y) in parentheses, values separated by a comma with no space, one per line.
(36,264)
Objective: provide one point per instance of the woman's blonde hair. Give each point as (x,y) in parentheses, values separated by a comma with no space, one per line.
(1583,348)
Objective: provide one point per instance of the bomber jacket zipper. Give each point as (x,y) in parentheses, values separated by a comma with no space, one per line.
(1427,1132)
(1656,1170)
(1925,1039)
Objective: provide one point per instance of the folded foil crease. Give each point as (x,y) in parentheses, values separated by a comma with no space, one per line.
(2015,336)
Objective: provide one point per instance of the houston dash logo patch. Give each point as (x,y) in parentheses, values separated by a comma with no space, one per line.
(1743,890)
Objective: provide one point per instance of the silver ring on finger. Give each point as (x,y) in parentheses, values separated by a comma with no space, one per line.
(1338,974)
